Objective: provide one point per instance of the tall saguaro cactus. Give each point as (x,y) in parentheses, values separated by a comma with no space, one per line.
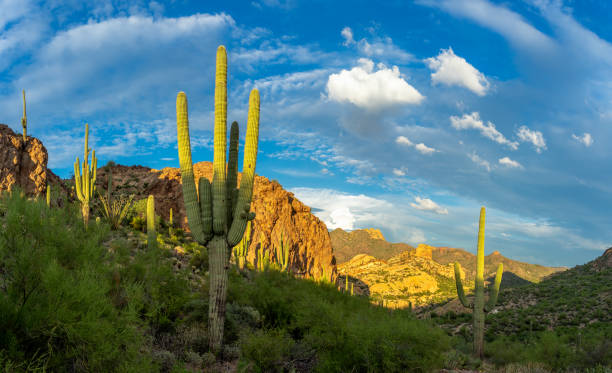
(24,119)
(219,213)
(151,231)
(479,307)
(85,180)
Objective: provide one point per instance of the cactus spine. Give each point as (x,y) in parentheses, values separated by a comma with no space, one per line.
(85,180)
(151,233)
(242,249)
(24,119)
(217,220)
(478,306)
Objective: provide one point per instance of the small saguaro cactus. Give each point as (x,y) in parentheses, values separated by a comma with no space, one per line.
(263,259)
(242,249)
(282,255)
(219,213)
(24,119)
(48,195)
(170,223)
(151,232)
(479,307)
(85,180)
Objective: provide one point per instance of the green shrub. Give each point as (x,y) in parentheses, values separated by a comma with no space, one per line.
(266,351)
(55,308)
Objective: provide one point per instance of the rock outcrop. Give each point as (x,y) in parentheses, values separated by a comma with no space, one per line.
(23,165)
(399,281)
(276,211)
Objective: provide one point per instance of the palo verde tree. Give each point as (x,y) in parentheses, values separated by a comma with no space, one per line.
(218,214)
(479,307)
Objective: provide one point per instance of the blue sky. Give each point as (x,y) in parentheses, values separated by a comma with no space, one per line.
(405,116)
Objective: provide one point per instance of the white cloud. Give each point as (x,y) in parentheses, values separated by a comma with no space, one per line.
(534,137)
(420,147)
(424,149)
(473,121)
(479,161)
(347,34)
(426,204)
(451,69)
(372,90)
(509,163)
(341,210)
(586,139)
(403,140)
(498,18)
(398,172)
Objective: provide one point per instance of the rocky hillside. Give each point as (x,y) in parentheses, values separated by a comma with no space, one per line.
(575,298)
(368,241)
(276,211)
(410,277)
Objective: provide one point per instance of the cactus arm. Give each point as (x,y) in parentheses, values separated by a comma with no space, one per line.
(220,144)
(460,291)
(232,170)
(94,167)
(494,290)
(248,172)
(24,119)
(478,310)
(151,233)
(77,180)
(206,207)
(190,195)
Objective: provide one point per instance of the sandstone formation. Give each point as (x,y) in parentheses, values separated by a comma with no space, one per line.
(403,279)
(23,165)
(277,211)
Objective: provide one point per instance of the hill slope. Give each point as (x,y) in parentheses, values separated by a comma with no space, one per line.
(363,241)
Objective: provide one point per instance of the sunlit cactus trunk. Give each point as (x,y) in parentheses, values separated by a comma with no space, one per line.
(218,213)
(24,120)
(479,307)
(151,231)
(85,178)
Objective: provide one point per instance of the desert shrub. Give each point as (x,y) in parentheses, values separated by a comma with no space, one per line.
(345,333)
(55,308)
(266,350)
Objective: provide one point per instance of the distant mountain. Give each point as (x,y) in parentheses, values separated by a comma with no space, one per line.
(371,242)
(518,270)
(363,241)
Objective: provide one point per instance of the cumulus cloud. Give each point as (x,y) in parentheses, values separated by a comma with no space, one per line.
(451,69)
(586,139)
(372,90)
(479,161)
(403,140)
(420,147)
(424,149)
(473,121)
(398,172)
(426,204)
(347,34)
(505,161)
(534,137)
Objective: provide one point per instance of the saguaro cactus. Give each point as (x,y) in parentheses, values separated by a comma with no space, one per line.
(24,119)
(479,307)
(85,181)
(242,249)
(151,232)
(218,214)
(282,255)
(48,195)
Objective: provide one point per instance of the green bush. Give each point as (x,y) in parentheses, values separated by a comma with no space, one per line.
(341,333)
(55,308)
